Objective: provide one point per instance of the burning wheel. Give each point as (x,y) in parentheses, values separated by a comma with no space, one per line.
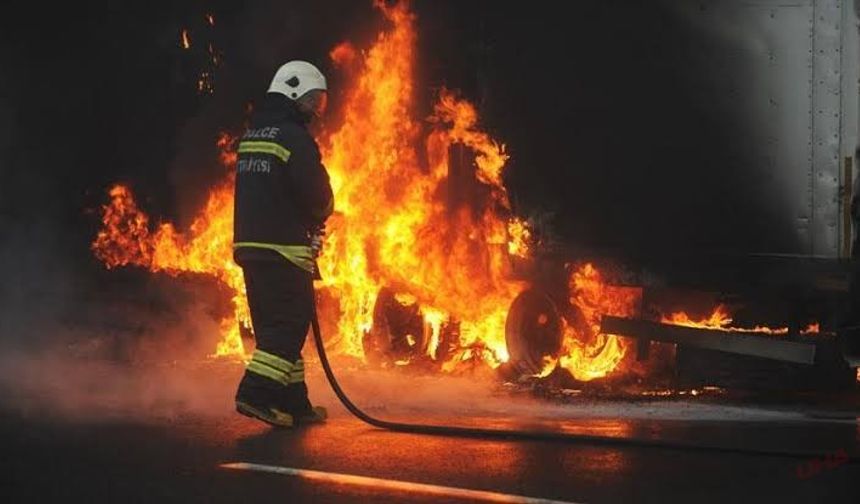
(401,336)
(533,331)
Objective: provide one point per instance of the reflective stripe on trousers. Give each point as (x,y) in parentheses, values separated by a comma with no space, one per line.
(277,369)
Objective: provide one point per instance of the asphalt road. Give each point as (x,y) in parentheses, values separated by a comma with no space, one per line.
(164,447)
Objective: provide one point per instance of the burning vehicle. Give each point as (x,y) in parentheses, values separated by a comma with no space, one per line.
(429,266)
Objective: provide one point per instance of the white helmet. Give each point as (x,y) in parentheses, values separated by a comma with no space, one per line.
(296,78)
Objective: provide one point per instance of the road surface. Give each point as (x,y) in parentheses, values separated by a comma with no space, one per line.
(167,435)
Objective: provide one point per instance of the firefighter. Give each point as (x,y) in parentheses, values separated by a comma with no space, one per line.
(282,200)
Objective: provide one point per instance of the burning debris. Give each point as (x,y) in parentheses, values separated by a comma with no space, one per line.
(211,58)
(184,39)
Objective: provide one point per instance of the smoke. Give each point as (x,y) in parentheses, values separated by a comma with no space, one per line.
(483,400)
(52,385)
(142,356)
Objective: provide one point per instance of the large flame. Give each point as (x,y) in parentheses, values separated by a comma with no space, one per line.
(391,228)
(394,226)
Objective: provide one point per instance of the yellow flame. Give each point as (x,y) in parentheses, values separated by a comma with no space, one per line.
(433,320)
(722,320)
(587,353)
(520,236)
(392,226)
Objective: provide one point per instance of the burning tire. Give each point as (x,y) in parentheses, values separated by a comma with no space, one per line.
(533,331)
(400,335)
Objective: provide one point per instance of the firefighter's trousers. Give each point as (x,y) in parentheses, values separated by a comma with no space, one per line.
(280,296)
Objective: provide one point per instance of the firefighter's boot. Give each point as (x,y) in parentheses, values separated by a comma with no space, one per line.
(273,390)
(258,398)
(295,400)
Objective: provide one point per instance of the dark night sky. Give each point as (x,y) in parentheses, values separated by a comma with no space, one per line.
(594,109)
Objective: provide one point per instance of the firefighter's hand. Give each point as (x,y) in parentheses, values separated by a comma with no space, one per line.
(317,237)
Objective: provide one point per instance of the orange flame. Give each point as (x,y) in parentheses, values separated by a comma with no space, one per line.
(721,319)
(520,238)
(184,39)
(813,328)
(392,227)
(589,354)
(344,54)
(125,239)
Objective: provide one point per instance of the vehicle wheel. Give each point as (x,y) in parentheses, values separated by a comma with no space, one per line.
(533,331)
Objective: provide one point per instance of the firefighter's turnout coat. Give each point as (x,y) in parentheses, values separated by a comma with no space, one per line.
(282,188)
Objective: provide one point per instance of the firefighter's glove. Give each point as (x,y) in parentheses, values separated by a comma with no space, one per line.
(317,237)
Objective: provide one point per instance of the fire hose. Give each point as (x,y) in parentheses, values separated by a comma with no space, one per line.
(536,435)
